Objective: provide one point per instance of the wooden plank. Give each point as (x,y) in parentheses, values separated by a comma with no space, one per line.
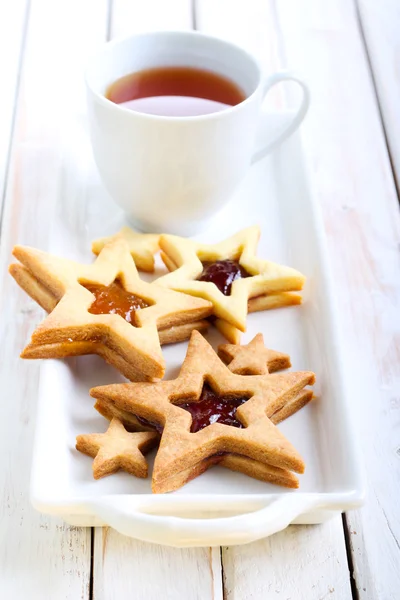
(352,176)
(40,557)
(149,572)
(380,22)
(346,144)
(13,19)
(301,562)
(146,571)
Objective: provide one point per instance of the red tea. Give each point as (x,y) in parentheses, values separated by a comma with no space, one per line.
(175,91)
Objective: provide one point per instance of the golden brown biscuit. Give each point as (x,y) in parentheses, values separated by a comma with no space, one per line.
(142,246)
(231,461)
(132,423)
(186,440)
(117,449)
(292,406)
(190,261)
(129,421)
(44,298)
(170,335)
(253,358)
(89,303)
(283,477)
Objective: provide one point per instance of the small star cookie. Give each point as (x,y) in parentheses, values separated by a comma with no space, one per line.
(104,308)
(142,246)
(117,449)
(253,358)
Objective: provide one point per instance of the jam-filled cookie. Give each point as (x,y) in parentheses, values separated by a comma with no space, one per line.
(231,276)
(251,359)
(106,309)
(209,415)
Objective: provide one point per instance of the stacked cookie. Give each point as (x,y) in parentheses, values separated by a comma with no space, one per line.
(211,413)
(105,308)
(230,276)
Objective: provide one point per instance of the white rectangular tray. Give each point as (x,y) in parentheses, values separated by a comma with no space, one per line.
(219,507)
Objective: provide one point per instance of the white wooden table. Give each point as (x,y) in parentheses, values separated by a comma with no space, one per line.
(348,51)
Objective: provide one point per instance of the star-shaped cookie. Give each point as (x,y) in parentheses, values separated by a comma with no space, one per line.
(142,246)
(132,423)
(117,449)
(91,309)
(189,446)
(253,358)
(189,261)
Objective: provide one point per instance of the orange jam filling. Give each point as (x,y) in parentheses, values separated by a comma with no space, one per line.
(115,300)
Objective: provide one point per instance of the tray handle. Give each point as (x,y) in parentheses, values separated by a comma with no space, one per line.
(169,530)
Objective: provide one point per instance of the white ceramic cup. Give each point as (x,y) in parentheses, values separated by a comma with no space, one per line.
(172,174)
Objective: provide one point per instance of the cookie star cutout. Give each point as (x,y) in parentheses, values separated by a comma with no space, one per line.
(142,246)
(253,358)
(233,418)
(116,450)
(104,308)
(187,260)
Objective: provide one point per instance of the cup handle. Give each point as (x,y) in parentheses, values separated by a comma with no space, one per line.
(297,117)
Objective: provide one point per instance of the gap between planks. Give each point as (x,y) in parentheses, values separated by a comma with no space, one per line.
(92,529)
(350,562)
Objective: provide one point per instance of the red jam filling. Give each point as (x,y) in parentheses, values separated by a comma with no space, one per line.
(211,408)
(208,409)
(223,273)
(114,300)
